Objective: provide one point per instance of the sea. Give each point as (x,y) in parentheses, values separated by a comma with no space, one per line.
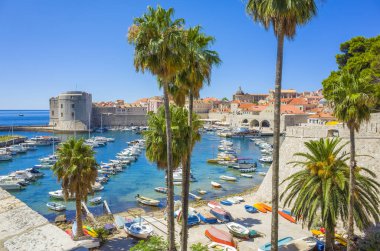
(141,177)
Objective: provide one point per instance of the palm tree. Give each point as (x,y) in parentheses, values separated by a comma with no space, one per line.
(284,17)
(158,42)
(76,169)
(322,187)
(199,63)
(352,99)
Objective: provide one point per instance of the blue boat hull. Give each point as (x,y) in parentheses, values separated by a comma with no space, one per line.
(226,203)
(222,217)
(207,220)
(250,209)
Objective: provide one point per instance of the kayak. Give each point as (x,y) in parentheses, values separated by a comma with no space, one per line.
(268,208)
(250,209)
(226,202)
(287,217)
(281,242)
(259,207)
(339,238)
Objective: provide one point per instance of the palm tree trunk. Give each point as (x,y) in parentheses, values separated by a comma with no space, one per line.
(78,207)
(329,242)
(171,227)
(186,178)
(276,139)
(350,244)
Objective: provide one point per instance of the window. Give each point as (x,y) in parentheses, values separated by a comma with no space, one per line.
(61,114)
(72,105)
(72,114)
(61,106)
(52,113)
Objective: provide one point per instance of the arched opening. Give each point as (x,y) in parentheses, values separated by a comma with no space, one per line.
(333,133)
(255,123)
(265,123)
(245,121)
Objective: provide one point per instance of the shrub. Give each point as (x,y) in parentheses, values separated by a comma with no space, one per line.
(198,247)
(154,243)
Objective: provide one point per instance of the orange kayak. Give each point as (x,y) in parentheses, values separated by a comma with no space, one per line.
(260,207)
(287,216)
(268,208)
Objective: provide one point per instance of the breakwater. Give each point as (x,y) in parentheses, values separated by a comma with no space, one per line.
(16,140)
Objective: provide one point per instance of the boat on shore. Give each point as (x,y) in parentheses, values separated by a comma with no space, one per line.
(214,204)
(250,209)
(221,214)
(238,230)
(226,203)
(220,236)
(138,230)
(147,201)
(280,243)
(287,216)
(207,217)
(302,244)
(220,247)
(96,200)
(196,197)
(259,207)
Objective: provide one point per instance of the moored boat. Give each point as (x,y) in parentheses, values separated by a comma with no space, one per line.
(147,201)
(238,230)
(246,175)
(96,200)
(55,206)
(220,236)
(161,189)
(216,184)
(228,178)
(200,191)
(214,204)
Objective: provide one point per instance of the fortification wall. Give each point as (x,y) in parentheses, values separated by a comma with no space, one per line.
(367,143)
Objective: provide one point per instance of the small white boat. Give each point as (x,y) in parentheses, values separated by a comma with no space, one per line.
(233,200)
(241,199)
(96,200)
(220,247)
(246,175)
(141,231)
(195,196)
(237,230)
(262,173)
(228,178)
(266,159)
(56,206)
(215,184)
(147,201)
(161,189)
(200,191)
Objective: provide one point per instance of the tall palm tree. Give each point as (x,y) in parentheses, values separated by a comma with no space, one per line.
(76,169)
(158,42)
(322,187)
(283,17)
(352,99)
(199,62)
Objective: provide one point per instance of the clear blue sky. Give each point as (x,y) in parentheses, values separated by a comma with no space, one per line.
(51,46)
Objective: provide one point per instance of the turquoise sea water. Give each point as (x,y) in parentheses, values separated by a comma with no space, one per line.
(141,177)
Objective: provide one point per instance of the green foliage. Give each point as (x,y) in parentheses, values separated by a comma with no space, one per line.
(155,136)
(225,99)
(198,247)
(322,186)
(360,56)
(352,98)
(371,239)
(154,243)
(285,14)
(102,234)
(76,168)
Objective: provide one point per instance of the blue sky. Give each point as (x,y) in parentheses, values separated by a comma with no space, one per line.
(47,47)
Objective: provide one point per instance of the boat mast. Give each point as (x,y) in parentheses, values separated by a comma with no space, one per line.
(89,124)
(75,131)
(53,140)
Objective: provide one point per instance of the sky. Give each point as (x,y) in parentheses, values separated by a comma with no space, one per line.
(48,47)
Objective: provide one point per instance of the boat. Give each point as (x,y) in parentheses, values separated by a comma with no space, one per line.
(233,200)
(96,200)
(192,217)
(226,202)
(196,197)
(200,191)
(266,159)
(4,156)
(262,173)
(11,183)
(221,214)
(213,161)
(216,184)
(246,175)
(56,206)
(338,238)
(238,230)
(281,242)
(220,247)
(287,216)
(119,221)
(240,199)
(90,231)
(228,178)
(59,195)
(161,189)
(207,217)
(268,208)
(250,209)
(147,201)
(248,170)
(259,207)
(138,230)
(21,115)
(214,204)
(220,236)
(302,244)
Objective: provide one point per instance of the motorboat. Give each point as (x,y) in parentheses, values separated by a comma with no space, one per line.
(56,206)
(141,231)
(147,201)
(220,236)
(221,214)
(266,159)
(202,192)
(52,159)
(262,173)
(59,195)
(5,156)
(220,247)
(96,200)
(35,173)
(10,185)
(97,187)
(244,163)
(238,230)
(228,178)
(161,190)
(281,242)
(246,175)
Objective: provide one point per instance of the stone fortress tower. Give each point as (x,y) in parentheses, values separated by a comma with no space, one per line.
(70,111)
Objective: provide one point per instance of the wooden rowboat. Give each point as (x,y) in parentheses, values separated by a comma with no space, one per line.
(220,236)
(147,201)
